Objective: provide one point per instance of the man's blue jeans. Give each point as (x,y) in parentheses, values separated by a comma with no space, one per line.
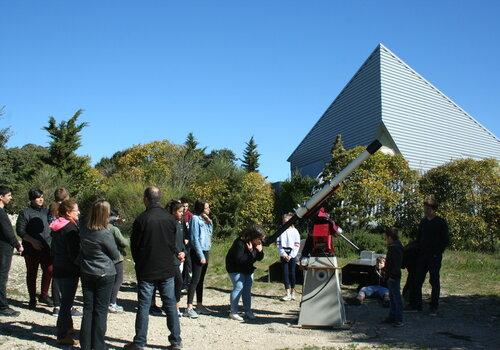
(396,303)
(242,287)
(144,293)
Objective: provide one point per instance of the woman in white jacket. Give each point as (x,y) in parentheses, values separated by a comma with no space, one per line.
(288,247)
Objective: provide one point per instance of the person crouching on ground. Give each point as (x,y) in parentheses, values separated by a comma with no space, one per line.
(65,247)
(377,284)
(240,258)
(98,251)
(394,259)
(288,245)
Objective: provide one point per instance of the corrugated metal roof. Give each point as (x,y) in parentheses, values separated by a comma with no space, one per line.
(387,98)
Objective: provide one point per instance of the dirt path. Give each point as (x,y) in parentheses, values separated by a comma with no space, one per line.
(464,322)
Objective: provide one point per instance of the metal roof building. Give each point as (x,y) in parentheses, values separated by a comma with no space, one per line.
(388,100)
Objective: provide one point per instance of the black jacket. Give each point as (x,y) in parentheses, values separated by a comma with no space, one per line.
(65,249)
(433,236)
(179,241)
(33,221)
(376,277)
(153,244)
(240,259)
(98,251)
(7,234)
(393,260)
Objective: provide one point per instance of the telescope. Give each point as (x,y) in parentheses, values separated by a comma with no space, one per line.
(315,202)
(321,304)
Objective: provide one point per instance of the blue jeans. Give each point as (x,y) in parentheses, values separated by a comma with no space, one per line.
(67,289)
(289,272)
(144,294)
(396,303)
(242,286)
(377,290)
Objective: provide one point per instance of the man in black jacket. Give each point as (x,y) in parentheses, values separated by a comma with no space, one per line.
(153,245)
(8,241)
(432,238)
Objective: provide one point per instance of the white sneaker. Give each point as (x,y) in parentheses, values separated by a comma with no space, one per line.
(287,297)
(292,296)
(250,315)
(236,317)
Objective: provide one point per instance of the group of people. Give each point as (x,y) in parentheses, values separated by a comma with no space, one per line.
(171,249)
(419,257)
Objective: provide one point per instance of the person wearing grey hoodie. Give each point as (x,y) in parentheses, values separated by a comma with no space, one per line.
(98,253)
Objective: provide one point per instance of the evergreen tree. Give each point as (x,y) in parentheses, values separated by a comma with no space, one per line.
(191,143)
(251,156)
(66,139)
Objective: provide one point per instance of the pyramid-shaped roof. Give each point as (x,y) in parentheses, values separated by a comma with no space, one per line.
(387,99)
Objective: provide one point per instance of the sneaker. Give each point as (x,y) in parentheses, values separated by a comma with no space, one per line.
(179,313)
(202,310)
(32,304)
(398,324)
(75,312)
(184,291)
(115,309)
(67,341)
(55,311)
(433,312)
(292,296)
(175,346)
(236,317)
(132,346)
(287,297)
(46,300)
(190,313)
(250,315)
(9,312)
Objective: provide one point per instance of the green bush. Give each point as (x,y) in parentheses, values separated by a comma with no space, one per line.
(364,239)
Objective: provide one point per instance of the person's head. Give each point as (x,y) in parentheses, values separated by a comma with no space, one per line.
(391,235)
(201,207)
(152,196)
(430,206)
(99,215)
(286,217)
(5,196)
(253,233)
(185,204)
(176,209)
(68,209)
(61,194)
(380,262)
(35,196)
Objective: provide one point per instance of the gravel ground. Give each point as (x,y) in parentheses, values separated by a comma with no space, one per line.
(463,323)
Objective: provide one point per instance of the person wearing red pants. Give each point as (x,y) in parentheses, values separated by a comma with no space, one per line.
(32,226)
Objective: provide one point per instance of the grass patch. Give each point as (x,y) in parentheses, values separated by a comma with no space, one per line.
(462,273)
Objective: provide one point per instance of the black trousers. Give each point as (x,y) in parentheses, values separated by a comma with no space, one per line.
(187,270)
(6,252)
(96,293)
(431,264)
(199,272)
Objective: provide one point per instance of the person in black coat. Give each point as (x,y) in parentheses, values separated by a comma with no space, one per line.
(245,251)
(432,238)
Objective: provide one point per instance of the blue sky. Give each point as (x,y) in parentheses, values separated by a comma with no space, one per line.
(227,70)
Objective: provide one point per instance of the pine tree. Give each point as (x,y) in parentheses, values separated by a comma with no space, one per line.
(339,159)
(66,139)
(251,157)
(191,143)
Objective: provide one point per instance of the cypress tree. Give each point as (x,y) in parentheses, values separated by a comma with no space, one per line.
(251,157)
